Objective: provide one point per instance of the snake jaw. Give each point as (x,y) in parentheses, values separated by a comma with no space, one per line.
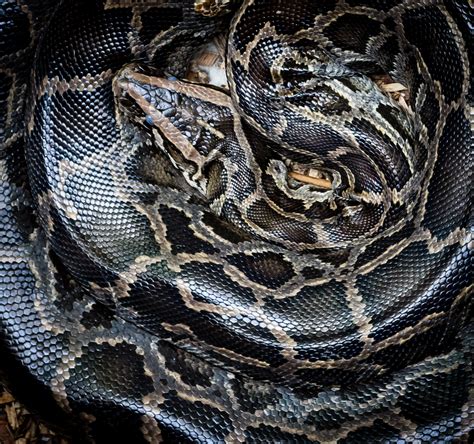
(176,115)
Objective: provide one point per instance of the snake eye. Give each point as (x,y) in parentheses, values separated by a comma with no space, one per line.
(149,120)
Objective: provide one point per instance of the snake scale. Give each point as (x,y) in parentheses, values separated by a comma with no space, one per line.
(164,277)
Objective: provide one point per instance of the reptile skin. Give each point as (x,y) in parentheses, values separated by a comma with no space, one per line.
(162,276)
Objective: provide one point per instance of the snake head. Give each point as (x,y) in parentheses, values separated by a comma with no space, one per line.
(186,121)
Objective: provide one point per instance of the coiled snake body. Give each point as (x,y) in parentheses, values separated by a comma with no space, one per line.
(175,282)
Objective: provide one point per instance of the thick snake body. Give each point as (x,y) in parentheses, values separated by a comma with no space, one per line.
(162,277)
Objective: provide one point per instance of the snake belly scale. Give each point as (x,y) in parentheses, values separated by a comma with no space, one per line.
(163,275)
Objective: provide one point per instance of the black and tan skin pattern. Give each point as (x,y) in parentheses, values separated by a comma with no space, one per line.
(161,278)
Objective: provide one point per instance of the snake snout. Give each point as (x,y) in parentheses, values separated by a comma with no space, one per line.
(186,121)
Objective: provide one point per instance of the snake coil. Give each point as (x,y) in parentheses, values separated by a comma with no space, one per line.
(164,274)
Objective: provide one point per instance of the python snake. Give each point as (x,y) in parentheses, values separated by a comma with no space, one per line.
(164,278)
